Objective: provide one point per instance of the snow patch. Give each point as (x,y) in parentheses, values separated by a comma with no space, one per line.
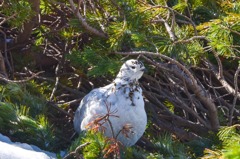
(17,150)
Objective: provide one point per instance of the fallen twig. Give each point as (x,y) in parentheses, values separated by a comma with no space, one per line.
(75,153)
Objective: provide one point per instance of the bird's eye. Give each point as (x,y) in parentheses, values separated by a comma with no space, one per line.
(133,67)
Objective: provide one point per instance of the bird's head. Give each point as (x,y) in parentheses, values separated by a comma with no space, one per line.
(131,70)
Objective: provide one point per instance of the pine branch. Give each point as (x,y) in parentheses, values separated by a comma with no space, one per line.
(85,24)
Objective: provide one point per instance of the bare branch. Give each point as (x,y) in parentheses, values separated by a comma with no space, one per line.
(21,81)
(169,29)
(181,133)
(190,39)
(60,109)
(56,83)
(75,153)
(234,31)
(220,77)
(8,18)
(236,93)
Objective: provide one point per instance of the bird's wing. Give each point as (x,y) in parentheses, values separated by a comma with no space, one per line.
(93,99)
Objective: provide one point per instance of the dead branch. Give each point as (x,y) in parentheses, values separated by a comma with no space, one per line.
(169,29)
(34,75)
(8,18)
(235,97)
(60,109)
(190,39)
(220,77)
(75,153)
(182,134)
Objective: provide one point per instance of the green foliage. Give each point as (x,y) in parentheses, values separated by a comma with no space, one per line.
(18,95)
(8,116)
(117,31)
(45,7)
(135,31)
(94,149)
(230,149)
(22,116)
(97,62)
(170,148)
(40,35)
(96,146)
(133,152)
(230,136)
(221,39)
(169,105)
(219,31)
(20,10)
(164,147)
(181,6)
(18,124)
(196,147)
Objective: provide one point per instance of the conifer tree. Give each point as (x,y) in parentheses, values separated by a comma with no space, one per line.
(55,52)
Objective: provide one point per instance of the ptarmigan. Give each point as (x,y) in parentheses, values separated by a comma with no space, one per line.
(123,100)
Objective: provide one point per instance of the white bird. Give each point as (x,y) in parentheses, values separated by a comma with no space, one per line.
(122,100)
